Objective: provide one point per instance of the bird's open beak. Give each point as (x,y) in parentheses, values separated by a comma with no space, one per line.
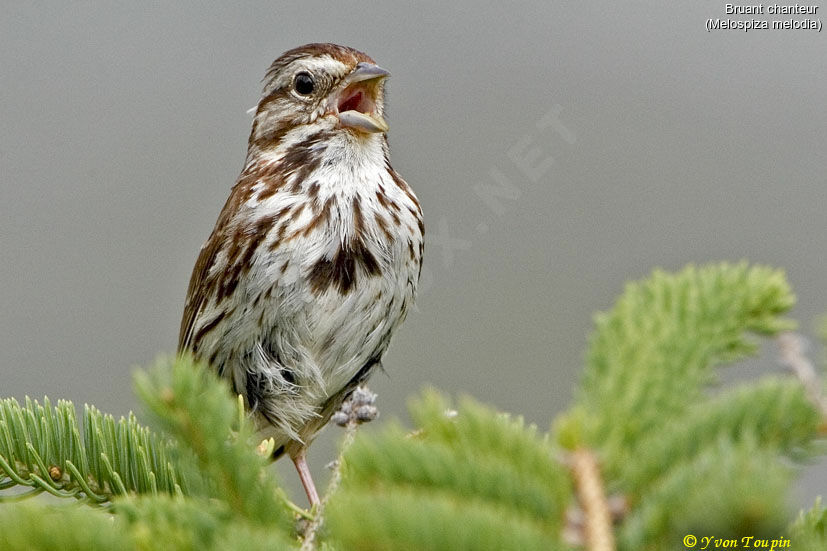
(356,103)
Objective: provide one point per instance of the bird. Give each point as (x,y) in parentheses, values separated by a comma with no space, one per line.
(315,258)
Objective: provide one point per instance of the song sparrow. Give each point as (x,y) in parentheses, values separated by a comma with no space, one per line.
(315,258)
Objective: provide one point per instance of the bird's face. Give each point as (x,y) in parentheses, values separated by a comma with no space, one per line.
(320,85)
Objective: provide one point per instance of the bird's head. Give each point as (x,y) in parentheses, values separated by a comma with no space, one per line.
(320,86)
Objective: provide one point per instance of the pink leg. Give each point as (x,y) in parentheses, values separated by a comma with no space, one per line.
(300,461)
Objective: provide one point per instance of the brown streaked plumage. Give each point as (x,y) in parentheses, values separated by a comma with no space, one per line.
(315,258)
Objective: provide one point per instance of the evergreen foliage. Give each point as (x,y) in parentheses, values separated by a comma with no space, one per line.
(652,355)
(192,406)
(41,447)
(810,529)
(688,457)
(470,479)
(33,527)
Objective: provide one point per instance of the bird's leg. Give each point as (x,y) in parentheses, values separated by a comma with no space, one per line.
(300,461)
(358,408)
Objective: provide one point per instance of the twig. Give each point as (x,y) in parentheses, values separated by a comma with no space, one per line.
(309,543)
(792,355)
(597,517)
(357,409)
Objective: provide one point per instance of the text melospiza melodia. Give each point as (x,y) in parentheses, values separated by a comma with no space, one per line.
(315,258)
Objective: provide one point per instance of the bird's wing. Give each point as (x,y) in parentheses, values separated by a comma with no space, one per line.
(204,285)
(197,291)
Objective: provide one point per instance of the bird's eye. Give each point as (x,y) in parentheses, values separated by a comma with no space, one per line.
(304,83)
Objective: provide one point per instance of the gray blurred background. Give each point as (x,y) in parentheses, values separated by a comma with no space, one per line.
(558,151)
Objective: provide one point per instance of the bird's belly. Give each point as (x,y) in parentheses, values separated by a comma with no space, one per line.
(351,326)
(321,335)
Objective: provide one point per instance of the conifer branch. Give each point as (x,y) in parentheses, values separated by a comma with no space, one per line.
(809,531)
(475,479)
(196,409)
(774,411)
(653,353)
(41,448)
(682,454)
